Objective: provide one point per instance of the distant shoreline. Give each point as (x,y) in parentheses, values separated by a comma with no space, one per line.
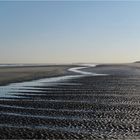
(22,73)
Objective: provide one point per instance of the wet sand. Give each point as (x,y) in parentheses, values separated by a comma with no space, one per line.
(90,107)
(26,73)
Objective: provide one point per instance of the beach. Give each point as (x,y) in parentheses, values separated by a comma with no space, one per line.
(13,74)
(86,107)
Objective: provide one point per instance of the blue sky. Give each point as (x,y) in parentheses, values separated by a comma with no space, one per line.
(68,32)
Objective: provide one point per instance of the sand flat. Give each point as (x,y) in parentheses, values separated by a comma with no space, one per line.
(88,107)
(26,73)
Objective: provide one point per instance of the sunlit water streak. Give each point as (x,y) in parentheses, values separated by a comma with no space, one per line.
(10,90)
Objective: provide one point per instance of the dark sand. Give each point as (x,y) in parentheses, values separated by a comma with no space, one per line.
(102,107)
(26,73)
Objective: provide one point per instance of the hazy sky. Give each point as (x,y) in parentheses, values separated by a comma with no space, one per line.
(67,32)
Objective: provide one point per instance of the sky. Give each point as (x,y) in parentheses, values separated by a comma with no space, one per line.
(69,31)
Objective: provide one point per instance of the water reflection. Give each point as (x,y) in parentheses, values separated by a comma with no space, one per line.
(10,91)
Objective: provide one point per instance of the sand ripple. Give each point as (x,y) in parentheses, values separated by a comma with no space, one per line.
(105,107)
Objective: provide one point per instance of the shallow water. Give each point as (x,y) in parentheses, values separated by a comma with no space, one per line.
(10,90)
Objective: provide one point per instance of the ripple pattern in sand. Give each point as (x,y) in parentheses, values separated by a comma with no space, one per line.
(100,107)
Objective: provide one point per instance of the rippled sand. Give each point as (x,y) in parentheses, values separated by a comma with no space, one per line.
(90,107)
